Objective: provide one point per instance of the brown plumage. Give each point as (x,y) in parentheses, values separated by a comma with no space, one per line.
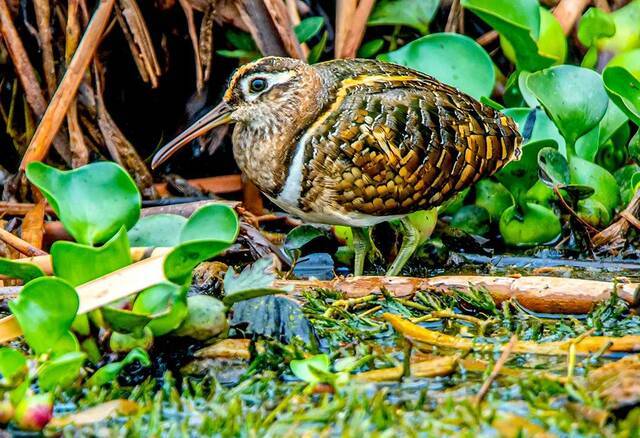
(356,142)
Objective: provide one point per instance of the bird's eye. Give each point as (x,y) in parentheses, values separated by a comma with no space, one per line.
(257,85)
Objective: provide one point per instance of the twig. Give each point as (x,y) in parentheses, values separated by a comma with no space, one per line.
(614,233)
(351,24)
(43,16)
(568,12)
(484,389)
(64,95)
(487,38)
(19,244)
(214,184)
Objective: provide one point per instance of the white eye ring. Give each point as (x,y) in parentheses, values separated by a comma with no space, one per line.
(257,85)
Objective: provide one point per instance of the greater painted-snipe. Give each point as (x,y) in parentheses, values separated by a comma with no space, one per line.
(356,142)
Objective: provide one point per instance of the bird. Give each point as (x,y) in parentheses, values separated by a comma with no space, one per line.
(356,142)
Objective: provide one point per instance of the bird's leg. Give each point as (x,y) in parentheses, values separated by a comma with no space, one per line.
(410,240)
(361,247)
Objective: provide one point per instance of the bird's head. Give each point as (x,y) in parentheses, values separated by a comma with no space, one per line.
(270,93)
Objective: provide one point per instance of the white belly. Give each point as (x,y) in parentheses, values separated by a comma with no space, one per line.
(332,217)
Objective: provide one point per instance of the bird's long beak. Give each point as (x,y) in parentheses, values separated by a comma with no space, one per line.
(220,115)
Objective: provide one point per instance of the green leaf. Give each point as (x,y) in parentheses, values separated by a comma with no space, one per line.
(536,226)
(595,24)
(206,318)
(13,365)
(308,28)
(613,120)
(535,125)
(425,222)
(45,310)
(79,264)
(590,174)
(574,98)
(629,60)
(493,197)
(472,219)
(300,236)
(254,281)
(311,370)
(412,13)
(316,51)
(125,321)
(241,40)
(208,232)
(624,91)
(166,303)
(23,271)
(627,35)
(60,372)
(551,44)
(110,372)
(518,21)
(449,57)
(239,54)
(158,230)
(93,202)
(370,48)
(554,169)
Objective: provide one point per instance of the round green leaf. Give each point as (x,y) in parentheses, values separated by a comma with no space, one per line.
(13,365)
(308,28)
(554,169)
(538,225)
(493,197)
(472,219)
(79,264)
(23,271)
(45,310)
(595,24)
(304,369)
(551,44)
(590,174)
(211,222)
(60,372)
(594,213)
(449,58)
(300,236)
(93,202)
(574,98)
(166,303)
(627,35)
(624,90)
(125,321)
(158,230)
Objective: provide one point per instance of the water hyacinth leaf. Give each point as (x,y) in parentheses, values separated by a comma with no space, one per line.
(535,125)
(629,60)
(13,365)
(125,321)
(594,213)
(300,236)
(110,372)
(60,372)
(536,226)
(72,194)
(518,21)
(472,219)
(579,191)
(624,90)
(611,156)
(311,370)
(493,197)
(254,281)
(308,28)
(595,24)
(208,232)
(574,98)
(627,35)
(79,264)
(125,342)
(316,51)
(22,271)
(520,175)
(587,146)
(551,43)
(370,48)
(425,222)
(554,168)
(634,147)
(166,303)
(158,230)
(449,57)
(67,343)
(413,13)
(612,122)
(45,310)
(589,174)
(540,194)
(206,318)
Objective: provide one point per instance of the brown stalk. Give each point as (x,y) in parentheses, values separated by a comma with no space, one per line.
(486,385)
(79,150)
(206,39)
(213,184)
(66,91)
(294,17)
(137,34)
(43,18)
(188,12)
(18,209)
(20,245)
(539,294)
(614,235)
(26,74)
(351,24)
(568,12)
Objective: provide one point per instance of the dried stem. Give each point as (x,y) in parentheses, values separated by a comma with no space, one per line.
(486,385)
(19,244)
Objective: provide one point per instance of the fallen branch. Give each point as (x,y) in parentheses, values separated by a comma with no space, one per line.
(214,184)
(538,294)
(66,91)
(20,245)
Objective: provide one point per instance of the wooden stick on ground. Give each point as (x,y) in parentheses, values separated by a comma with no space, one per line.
(19,244)
(65,94)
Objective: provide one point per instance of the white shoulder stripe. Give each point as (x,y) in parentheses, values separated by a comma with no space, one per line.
(292,188)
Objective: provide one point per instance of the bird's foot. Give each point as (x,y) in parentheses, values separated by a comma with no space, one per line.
(410,240)
(361,246)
